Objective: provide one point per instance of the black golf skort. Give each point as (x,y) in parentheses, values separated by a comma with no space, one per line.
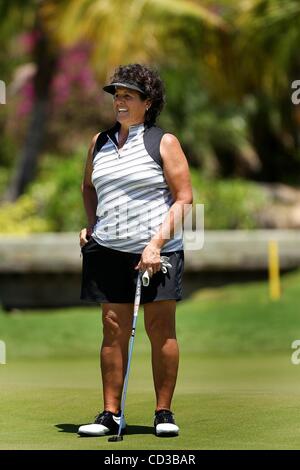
(109,276)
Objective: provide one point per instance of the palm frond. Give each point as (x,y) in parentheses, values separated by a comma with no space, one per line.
(122,31)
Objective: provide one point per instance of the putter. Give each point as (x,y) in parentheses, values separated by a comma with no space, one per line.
(137,299)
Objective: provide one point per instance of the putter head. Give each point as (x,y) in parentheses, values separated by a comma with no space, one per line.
(115,438)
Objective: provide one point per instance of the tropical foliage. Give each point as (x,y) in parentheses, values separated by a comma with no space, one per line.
(228,68)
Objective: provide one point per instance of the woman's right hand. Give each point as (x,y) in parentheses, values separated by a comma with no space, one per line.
(84,235)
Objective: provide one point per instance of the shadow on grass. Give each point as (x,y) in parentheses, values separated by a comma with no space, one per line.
(73,428)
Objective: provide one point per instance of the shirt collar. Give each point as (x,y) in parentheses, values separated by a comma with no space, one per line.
(134,130)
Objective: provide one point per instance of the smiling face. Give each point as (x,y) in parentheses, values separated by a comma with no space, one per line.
(129,107)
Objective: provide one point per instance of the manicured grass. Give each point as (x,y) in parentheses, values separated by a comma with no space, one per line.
(237,388)
(229,320)
(225,403)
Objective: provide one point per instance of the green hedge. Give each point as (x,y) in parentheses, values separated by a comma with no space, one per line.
(58,189)
(228,204)
(54,201)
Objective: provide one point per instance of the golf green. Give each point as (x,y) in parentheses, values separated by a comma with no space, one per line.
(220,403)
(237,387)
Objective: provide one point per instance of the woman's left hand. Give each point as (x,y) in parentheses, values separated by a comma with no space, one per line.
(150,260)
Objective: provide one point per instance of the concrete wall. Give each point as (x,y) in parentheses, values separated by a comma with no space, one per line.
(44,270)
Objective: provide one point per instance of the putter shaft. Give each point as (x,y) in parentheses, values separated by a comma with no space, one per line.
(124,392)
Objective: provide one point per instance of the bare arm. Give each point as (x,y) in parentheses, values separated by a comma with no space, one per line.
(177,175)
(89,195)
(176,172)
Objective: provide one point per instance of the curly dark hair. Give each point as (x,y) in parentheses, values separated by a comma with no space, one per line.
(147,79)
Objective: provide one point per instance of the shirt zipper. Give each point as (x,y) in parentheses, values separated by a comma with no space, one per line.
(116,147)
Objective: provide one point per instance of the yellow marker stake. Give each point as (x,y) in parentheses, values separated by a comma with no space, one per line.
(274,275)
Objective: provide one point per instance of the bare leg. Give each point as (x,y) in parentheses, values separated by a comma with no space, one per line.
(117,321)
(160,327)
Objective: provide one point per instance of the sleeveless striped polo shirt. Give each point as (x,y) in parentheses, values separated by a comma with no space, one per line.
(133,196)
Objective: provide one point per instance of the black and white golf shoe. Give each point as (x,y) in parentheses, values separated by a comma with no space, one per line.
(164,424)
(105,423)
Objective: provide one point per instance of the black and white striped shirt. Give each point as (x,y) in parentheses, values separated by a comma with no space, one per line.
(133,196)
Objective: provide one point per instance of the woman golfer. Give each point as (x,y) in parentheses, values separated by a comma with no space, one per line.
(135,186)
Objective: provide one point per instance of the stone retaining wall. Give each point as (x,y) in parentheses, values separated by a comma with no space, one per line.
(43,270)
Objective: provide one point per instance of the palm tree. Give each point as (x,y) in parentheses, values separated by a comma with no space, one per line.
(124,31)
(251,66)
(269,44)
(45,58)
(119,31)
